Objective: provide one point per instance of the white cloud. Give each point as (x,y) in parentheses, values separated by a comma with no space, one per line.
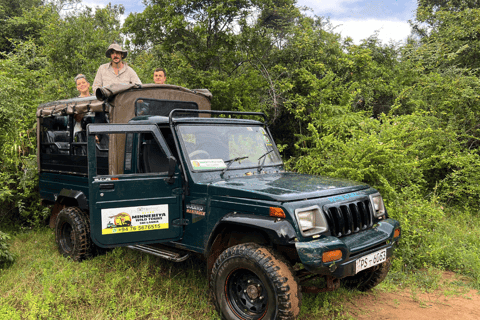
(71,8)
(338,6)
(395,30)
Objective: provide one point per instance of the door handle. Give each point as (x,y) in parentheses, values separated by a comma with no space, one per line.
(107,186)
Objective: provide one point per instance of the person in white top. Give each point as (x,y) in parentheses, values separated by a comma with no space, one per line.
(83,87)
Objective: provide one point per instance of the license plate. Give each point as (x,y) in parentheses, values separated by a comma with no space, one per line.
(371,260)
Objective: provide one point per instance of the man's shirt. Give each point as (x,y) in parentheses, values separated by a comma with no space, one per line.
(106,76)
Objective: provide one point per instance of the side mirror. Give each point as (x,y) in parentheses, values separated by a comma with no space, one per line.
(172,162)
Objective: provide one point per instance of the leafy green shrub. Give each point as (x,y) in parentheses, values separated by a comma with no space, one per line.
(6,258)
(385,154)
(19,198)
(451,97)
(19,194)
(419,219)
(434,235)
(393,154)
(460,187)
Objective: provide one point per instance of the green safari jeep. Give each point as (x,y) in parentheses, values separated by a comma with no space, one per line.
(154,169)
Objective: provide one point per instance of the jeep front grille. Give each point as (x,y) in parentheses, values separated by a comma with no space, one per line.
(347,218)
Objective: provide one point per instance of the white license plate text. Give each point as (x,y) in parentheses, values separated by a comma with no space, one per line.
(371,260)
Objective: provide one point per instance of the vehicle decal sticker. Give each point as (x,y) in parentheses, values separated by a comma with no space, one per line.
(134,219)
(267,141)
(205,164)
(343,197)
(197,211)
(102,179)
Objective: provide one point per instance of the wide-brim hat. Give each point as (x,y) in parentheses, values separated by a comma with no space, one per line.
(116,47)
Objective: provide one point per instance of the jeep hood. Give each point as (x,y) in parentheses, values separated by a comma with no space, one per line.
(286,186)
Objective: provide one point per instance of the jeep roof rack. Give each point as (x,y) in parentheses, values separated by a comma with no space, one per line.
(216,112)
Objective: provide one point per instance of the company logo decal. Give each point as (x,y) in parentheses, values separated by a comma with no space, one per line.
(134,219)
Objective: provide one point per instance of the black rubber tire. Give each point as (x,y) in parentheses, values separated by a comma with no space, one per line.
(72,234)
(249,281)
(94,249)
(368,279)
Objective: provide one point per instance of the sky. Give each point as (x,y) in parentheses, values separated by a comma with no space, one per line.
(357,19)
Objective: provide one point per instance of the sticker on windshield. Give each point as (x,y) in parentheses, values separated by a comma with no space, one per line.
(267,141)
(134,219)
(207,164)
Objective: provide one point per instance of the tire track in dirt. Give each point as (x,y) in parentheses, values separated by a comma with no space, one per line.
(405,304)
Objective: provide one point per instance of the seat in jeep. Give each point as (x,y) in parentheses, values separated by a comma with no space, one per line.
(154,159)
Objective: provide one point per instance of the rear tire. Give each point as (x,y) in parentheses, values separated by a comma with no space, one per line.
(252,282)
(72,234)
(368,279)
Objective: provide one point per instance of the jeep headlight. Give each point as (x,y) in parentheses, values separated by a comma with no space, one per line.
(378,206)
(311,220)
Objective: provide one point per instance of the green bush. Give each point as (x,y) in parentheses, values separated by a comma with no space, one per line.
(434,235)
(420,219)
(19,197)
(396,153)
(460,187)
(6,258)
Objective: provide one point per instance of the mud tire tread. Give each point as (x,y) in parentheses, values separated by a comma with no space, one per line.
(81,241)
(273,265)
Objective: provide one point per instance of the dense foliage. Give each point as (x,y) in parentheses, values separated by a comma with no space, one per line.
(6,257)
(404,118)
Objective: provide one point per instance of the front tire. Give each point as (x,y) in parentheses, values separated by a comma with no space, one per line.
(368,279)
(252,282)
(72,234)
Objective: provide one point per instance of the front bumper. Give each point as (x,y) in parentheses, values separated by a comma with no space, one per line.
(352,247)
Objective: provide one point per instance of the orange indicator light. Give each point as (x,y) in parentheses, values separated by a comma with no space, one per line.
(332,255)
(277,212)
(396,234)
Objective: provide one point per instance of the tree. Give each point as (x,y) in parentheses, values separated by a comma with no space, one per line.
(35,71)
(206,33)
(427,9)
(203,32)
(15,25)
(77,43)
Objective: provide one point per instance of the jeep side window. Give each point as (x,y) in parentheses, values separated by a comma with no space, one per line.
(101,152)
(142,153)
(128,152)
(152,159)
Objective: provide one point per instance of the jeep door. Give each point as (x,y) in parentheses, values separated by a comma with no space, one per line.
(143,204)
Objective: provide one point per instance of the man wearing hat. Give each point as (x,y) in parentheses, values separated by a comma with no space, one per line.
(116,71)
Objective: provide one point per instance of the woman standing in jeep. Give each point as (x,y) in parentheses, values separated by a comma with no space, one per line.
(83,86)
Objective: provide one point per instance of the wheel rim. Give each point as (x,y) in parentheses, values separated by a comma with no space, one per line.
(66,237)
(246,294)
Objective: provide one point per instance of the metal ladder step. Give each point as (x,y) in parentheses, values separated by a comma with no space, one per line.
(164,252)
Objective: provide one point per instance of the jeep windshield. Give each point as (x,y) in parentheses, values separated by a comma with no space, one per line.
(220,147)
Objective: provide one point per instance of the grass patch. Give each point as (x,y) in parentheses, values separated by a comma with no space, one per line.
(123,284)
(127,284)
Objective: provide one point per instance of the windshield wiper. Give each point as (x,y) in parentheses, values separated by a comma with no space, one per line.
(264,156)
(230,161)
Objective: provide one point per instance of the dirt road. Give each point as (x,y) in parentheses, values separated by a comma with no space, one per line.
(408,304)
